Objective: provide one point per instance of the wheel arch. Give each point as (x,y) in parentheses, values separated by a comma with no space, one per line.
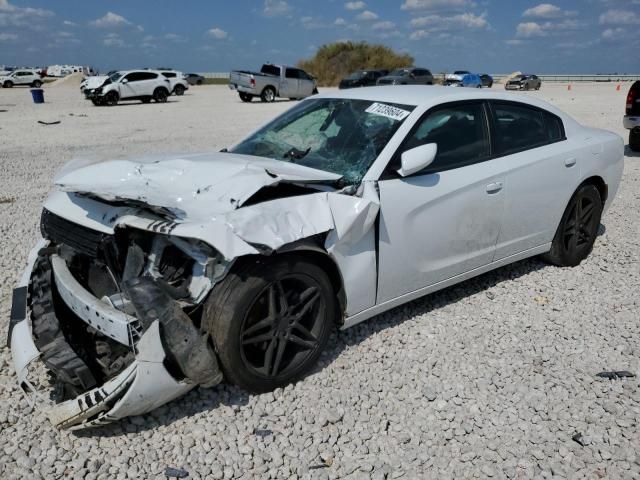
(311,251)
(272,87)
(600,184)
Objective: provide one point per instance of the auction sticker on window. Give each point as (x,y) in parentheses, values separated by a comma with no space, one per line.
(388,111)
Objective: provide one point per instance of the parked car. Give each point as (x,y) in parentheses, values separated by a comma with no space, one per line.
(361,78)
(524,82)
(271,82)
(143,85)
(407,76)
(469,80)
(632,116)
(455,77)
(172,271)
(178,84)
(21,77)
(487,80)
(194,79)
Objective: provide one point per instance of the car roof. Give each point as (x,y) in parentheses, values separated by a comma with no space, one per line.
(431,95)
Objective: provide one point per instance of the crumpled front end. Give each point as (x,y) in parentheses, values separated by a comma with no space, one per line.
(114,318)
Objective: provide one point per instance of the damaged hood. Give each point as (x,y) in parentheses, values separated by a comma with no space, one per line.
(189,186)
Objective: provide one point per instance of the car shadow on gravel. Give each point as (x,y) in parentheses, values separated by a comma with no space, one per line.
(202,400)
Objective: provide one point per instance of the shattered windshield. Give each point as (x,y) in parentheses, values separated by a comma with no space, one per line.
(342,136)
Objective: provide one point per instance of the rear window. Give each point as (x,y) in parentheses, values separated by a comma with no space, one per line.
(270,70)
(520,127)
(169,74)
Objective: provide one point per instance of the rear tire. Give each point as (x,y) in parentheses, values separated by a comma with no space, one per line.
(268,95)
(199,82)
(160,95)
(37,84)
(270,319)
(578,228)
(179,90)
(315,91)
(634,139)
(245,97)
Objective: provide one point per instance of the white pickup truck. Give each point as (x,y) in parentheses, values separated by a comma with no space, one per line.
(272,81)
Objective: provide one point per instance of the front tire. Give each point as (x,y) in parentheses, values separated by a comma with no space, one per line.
(269,320)
(578,228)
(111,99)
(268,95)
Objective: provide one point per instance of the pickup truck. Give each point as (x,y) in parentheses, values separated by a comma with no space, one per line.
(632,116)
(272,81)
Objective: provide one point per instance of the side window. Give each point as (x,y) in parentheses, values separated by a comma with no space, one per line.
(169,74)
(291,73)
(459,131)
(148,76)
(518,128)
(555,129)
(133,77)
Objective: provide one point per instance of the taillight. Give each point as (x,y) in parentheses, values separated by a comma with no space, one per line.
(631,97)
(252,82)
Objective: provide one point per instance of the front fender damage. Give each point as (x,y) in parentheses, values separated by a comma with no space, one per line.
(172,354)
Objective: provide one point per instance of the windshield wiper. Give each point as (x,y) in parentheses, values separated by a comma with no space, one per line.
(295,154)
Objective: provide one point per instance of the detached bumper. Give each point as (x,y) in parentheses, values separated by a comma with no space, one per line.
(143,385)
(631,121)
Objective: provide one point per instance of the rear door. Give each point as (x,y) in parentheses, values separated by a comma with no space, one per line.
(540,164)
(305,84)
(149,82)
(444,221)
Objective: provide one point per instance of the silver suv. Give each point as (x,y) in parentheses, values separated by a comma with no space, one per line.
(30,78)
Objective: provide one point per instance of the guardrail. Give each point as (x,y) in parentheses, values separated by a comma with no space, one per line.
(215,74)
(579,78)
(501,76)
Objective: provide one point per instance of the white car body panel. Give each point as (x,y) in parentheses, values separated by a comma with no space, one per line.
(426,231)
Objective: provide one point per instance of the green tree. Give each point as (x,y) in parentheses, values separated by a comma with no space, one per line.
(334,61)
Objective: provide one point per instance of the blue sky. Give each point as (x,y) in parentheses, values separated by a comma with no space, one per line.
(497,36)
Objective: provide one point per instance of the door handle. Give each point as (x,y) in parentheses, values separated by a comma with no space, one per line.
(569,162)
(494,187)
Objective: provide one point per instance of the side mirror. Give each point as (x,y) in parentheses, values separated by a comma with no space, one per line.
(417,159)
(124,81)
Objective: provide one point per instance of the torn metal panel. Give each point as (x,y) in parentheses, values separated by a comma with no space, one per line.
(279,222)
(352,245)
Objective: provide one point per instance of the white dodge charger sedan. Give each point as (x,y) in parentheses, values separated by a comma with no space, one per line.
(157,275)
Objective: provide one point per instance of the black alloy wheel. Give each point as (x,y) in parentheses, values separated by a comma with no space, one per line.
(578,228)
(269,321)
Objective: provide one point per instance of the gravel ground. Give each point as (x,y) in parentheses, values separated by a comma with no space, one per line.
(490,378)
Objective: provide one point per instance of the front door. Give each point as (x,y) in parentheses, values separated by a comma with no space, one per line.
(289,84)
(446,220)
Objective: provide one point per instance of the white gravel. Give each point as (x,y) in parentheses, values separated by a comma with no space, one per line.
(488,379)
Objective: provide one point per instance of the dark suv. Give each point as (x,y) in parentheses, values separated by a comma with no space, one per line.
(407,76)
(361,78)
(632,116)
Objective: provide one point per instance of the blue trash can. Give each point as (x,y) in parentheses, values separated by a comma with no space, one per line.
(38,95)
